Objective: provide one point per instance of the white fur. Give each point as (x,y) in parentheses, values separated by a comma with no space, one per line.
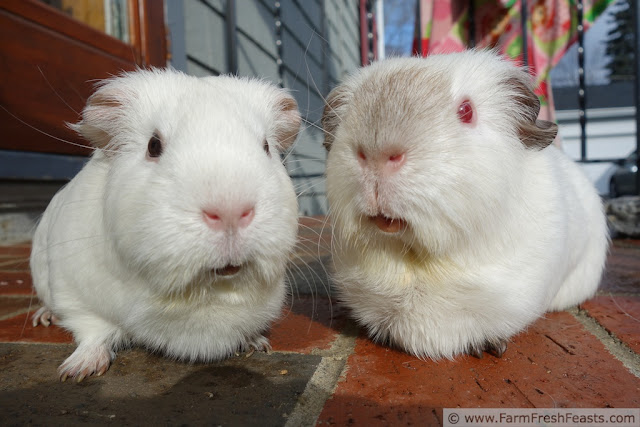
(497,233)
(122,254)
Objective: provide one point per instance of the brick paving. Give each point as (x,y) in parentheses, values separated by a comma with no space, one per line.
(323,369)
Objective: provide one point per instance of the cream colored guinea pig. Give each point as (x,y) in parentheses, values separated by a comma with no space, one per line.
(455,223)
(177,233)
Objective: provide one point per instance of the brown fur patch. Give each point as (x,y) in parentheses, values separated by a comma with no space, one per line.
(534,133)
(330,117)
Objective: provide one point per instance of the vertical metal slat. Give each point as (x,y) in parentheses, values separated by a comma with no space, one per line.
(279,62)
(364,25)
(326,85)
(472,24)
(525,38)
(232,38)
(636,14)
(370,36)
(582,98)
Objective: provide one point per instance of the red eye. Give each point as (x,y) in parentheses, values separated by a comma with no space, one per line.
(465,111)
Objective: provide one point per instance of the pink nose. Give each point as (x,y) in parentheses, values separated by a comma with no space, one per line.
(393,162)
(388,163)
(231,218)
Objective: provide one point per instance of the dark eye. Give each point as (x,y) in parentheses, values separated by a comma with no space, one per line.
(265,147)
(465,111)
(155,146)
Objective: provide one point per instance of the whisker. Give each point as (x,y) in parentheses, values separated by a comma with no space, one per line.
(53,136)
(55,91)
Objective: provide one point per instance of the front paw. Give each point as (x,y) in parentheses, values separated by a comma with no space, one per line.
(87,360)
(258,343)
(495,348)
(44,316)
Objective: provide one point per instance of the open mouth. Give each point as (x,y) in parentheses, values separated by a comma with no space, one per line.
(388,225)
(227,271)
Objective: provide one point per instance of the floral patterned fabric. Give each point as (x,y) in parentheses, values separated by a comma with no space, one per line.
(551,29)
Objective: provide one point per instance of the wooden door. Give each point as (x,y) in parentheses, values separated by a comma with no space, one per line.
(50,60)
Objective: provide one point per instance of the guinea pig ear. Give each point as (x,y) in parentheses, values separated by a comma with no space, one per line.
(335,104)
(289,121)
(100,117)
(534,133)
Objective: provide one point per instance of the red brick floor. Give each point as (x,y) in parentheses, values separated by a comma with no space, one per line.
(582,358)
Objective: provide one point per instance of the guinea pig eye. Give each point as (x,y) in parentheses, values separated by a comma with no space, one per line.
(265,146)
(465,111)
(155,146)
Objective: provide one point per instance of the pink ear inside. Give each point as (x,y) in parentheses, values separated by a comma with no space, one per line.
(99,118)
(288,123)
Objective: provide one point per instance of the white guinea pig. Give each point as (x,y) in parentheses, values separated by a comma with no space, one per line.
(176,234)
(455,224)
